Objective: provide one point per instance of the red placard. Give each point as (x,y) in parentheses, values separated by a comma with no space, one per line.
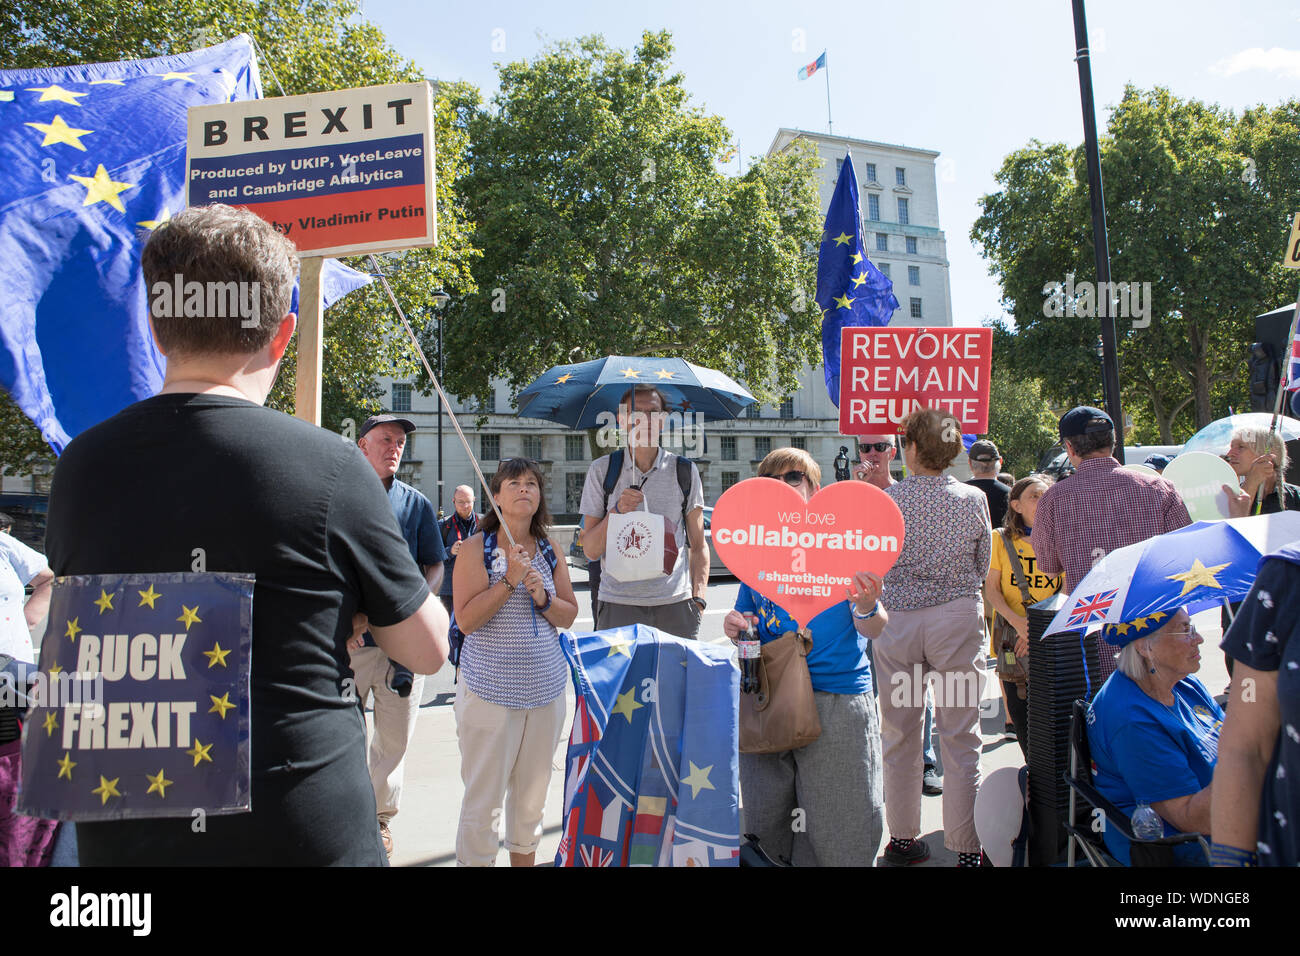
(886,373)
(803,554)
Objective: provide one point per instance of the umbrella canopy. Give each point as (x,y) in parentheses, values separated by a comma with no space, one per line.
(577,395)
(1217,436)
(1194,567)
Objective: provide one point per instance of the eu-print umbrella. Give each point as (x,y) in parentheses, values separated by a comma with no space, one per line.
(1194,567)
(576,395)
(1217,436)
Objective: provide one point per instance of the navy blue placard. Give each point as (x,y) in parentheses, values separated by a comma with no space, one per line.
(143,704)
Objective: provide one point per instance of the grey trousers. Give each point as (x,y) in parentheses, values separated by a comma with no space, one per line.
(680,620)
(821,805)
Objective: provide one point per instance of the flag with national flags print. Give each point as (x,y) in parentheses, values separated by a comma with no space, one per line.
(813,67)
(1293,376)
(652,763)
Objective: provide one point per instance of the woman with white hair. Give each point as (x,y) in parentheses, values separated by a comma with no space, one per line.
(1258,456)
(1154,730)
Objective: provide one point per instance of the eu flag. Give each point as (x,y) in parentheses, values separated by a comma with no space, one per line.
(850,290)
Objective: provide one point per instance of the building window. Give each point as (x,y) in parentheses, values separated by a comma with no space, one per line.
(913,275)
(873,207)
(489,447)
(911,245)
(573,484)
(485,502)
(762,447)
(839,167)
(533,447)
(900,175)
(727,447)
(884,268)
(871,172)
(730,478)
(401,397)
(787,408)
(916,308)
(575,447)
(902,211)
(882,242)
(483,406)
(799,441)
(753,411)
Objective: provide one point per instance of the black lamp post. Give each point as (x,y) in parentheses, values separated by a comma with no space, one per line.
(440,300)
(842,464)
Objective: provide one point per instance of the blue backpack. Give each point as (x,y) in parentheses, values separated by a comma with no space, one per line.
(456,637)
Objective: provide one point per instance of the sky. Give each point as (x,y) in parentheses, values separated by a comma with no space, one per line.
(974,81)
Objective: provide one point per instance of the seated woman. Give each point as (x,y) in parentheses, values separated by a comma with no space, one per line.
(510,706)
(836,779)
(1154,730)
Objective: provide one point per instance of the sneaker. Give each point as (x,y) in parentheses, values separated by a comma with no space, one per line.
(918,852)
(386,835)
(1009,732)
(931,783)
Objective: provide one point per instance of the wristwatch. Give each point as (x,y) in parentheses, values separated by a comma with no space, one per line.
(701,602)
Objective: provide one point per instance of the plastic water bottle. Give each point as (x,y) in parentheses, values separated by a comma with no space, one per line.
(1147,824)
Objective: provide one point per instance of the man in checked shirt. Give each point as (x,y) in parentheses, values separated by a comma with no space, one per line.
(1099,508)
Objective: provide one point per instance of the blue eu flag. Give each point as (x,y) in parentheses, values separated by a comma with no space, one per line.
(850,290)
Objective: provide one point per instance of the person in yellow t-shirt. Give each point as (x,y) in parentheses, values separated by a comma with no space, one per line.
(1003,594)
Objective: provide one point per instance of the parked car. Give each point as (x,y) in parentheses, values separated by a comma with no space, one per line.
(29,512)
(578,559)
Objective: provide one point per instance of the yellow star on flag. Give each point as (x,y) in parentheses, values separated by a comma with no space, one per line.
(51,721)
(173,75)
(1198,575)
(857,258)
(220,704)
(842,239)
(107,83)
(148,597)
(155,223)
(55,668)
(104,602)
(627,703)
(843,301)
(189,615)
(60,132)
(698,779)
(6,96)
(630,373)
(216,655)
(663,373)
(619,647)
(56,92)
(73,628)
(1157,615)
(859,279)
(563,378)
(1121,628)
(199,752)
(65,766)
(103,188)
(159,783)
(1138,623)
(107,788)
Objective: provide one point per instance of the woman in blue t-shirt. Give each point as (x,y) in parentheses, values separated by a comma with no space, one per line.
(822,804)
(1154,730)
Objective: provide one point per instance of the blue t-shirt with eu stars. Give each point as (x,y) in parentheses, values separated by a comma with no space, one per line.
(837,662)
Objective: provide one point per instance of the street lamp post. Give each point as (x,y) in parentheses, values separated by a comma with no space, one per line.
(440,300)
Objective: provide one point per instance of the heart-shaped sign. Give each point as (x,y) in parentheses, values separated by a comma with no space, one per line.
(803,554)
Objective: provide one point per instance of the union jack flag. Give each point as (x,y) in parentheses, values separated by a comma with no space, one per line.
(1293,376)
(595,856)
(1092,608)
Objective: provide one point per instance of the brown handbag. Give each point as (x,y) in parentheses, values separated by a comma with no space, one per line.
(783,714)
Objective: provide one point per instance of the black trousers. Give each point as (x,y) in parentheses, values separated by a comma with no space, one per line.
(1018,711)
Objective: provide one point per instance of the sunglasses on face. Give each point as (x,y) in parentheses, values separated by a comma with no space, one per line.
(792,478)
(876,446)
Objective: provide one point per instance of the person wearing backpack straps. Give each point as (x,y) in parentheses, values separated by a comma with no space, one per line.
(511,602)
(661,483)
(1013,582)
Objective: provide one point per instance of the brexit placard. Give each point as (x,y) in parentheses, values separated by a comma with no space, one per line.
(342,172)
(886,373)
(142,706)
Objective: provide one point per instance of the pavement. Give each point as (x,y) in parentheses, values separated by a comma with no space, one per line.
(424,831)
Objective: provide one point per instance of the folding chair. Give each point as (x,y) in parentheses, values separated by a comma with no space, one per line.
(1082,836)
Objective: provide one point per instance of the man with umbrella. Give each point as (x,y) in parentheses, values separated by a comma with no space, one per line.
(648,479)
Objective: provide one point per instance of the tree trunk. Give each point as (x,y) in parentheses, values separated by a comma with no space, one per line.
(1200,342)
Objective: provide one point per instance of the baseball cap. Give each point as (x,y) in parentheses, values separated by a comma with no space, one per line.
(984,450)
(1158,462)
(1085,420)
(407,425)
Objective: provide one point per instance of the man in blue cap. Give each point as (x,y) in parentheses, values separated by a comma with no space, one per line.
(1099,508)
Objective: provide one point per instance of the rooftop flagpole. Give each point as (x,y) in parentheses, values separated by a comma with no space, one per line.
(829,128)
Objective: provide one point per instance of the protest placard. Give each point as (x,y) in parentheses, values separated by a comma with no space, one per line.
(886,373)
(340,172)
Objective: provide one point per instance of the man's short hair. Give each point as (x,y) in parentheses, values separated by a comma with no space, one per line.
(925,428)
(217,246)
(1085,445)
(629,397)
(6,523)
(780,460)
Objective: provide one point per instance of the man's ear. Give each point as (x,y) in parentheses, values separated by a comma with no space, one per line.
(154,333)
(283,334)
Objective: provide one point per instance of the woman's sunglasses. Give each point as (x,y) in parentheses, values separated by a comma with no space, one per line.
(792,478)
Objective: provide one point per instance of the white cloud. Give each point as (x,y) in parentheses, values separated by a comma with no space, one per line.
(1276,60)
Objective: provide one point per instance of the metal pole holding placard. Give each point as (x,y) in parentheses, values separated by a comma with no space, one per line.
(310,340)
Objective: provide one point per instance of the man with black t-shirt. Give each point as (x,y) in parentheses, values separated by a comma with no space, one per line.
(204,471)
(985,461)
